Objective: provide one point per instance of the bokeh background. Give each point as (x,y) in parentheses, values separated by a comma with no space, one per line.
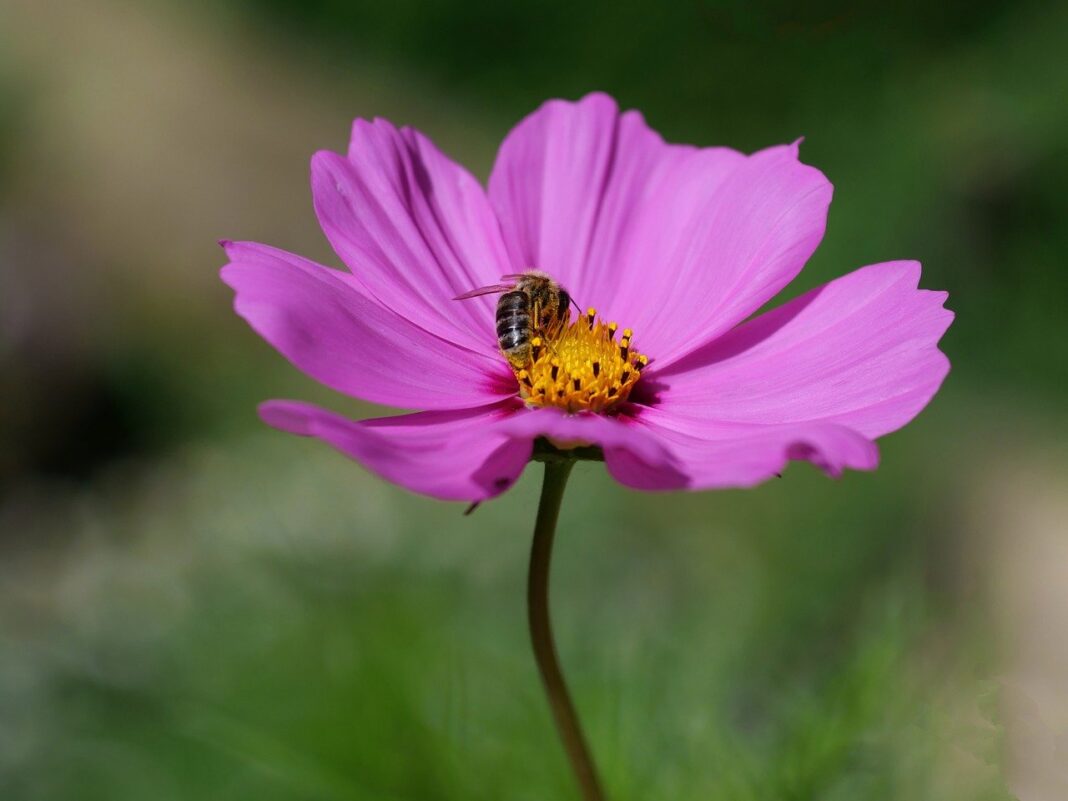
(195,607)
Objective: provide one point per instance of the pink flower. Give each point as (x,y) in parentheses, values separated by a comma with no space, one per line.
(678,243)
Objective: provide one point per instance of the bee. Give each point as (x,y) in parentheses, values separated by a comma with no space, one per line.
(532,304)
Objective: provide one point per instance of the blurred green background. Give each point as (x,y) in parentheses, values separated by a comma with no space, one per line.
(194,607)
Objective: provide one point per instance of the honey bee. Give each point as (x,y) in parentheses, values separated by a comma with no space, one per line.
(532,304)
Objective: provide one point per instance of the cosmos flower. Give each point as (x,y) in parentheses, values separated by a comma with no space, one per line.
(679,245)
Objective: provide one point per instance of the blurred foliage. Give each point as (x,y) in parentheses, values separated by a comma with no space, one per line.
(188,610)
(233,627)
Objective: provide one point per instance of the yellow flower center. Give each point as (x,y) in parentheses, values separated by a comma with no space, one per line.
(582,367)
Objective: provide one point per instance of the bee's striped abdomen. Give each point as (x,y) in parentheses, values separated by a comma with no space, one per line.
(513,326)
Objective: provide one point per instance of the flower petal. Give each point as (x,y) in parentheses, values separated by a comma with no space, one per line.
(414,227)
(722,455)
(579,186)
(455,455)
(319,320)
(860,351)
(676,242)
(624,443)
(737,250)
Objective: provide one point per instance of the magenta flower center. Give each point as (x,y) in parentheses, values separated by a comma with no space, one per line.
(582,366)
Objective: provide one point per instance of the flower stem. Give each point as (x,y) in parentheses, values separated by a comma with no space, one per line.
(541,634)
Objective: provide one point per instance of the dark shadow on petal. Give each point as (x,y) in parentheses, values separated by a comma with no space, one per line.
(503,380)
(645,393)
(806,452)
(420,173)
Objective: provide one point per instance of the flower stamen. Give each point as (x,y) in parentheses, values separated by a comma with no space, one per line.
(582,367)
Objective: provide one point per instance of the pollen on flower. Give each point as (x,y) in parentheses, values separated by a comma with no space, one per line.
(584,367)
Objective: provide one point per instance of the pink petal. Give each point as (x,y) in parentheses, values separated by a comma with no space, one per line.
(622,441)
(676,242)
(473,454)
(860,351)
(415,228)
(574,184)
(454,455)
(737,251)
(319,320)
(722,455)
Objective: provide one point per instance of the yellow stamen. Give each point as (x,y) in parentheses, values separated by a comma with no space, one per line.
(582,367)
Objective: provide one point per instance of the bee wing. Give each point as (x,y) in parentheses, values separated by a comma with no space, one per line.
(492,289)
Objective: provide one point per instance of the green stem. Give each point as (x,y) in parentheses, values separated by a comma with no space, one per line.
(541,634)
